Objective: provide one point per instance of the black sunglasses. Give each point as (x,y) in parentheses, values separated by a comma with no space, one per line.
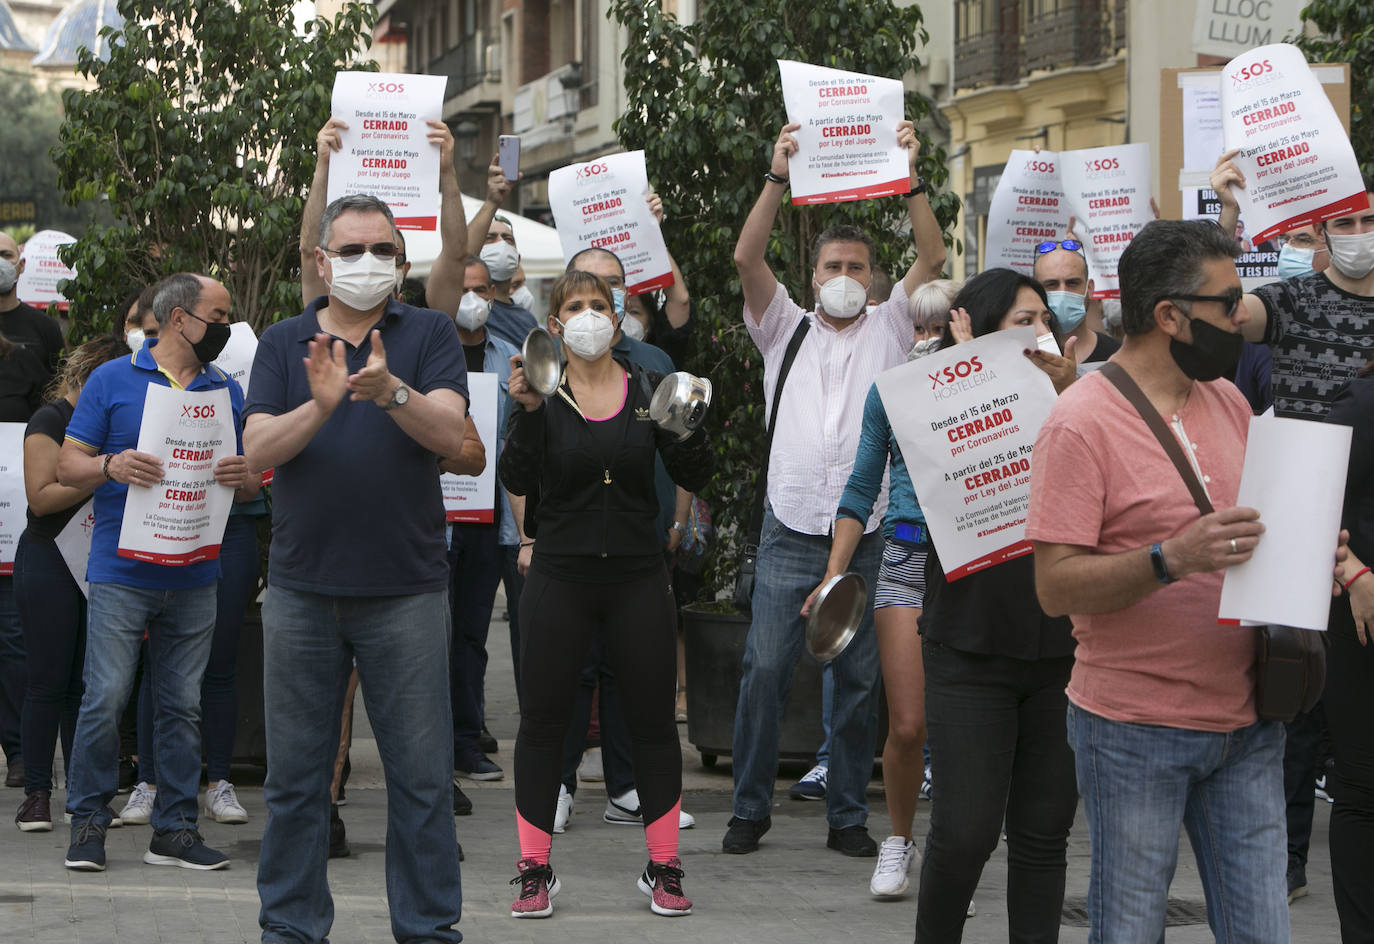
(1072,245)
(1231,299)
(354,251)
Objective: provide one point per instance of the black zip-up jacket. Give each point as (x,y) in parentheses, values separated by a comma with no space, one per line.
(590,504)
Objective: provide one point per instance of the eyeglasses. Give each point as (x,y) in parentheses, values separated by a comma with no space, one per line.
(354,251)
(1231,300)
(1049,245)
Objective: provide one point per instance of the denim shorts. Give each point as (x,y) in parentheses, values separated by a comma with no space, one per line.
(902,575)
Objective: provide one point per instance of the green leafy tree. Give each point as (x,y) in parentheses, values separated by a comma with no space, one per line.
(705,103)
(33,119)
(199,135)
(1347,35)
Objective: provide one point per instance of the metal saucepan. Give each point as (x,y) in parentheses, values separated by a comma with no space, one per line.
(680,402)
(835,616)
(543,364)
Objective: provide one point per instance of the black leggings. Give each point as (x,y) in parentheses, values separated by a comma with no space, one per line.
(637,621)
(1349,701)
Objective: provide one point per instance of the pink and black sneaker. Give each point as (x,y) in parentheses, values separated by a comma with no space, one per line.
(662,882)
(538,885)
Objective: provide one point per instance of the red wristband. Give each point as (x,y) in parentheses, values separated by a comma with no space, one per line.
(1358,574)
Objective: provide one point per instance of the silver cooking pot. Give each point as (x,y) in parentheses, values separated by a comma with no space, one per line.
(542,362)
(680,402)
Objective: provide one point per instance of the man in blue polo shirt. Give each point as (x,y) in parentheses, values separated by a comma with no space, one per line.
(175,605)
(355,402)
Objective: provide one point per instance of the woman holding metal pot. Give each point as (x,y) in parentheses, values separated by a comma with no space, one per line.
(584,458)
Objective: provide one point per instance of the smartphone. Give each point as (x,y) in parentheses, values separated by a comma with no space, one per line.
(508,153)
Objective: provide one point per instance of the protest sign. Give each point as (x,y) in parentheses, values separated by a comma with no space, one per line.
(1258,262)
(471,497)
(74,543)
(384,149)
(966,419)
(236,360)
(1108,189)
(1028,207)
(847,145)
(601,204)
(181,519)
(13,501)
(43,269)
(1297,160)
(1287,581)
(1228,28)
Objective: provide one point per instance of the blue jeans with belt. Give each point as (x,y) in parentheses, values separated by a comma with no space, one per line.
(789,565)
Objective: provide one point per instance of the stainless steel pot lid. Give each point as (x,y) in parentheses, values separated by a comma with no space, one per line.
(835,616)
(543,365)
(680,402)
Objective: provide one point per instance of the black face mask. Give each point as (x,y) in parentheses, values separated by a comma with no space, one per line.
(212,342)
(1214,352)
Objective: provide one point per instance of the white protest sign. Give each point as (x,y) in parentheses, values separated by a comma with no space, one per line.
(1298,164)
(847,145)
(384,150)
(1109,191)
(467,497)
(1230,27)
(1287,580)
(181,520)
(601,204)
(43,269)
(1027,208)
(74,543)
(966,419)
(13,501)
(236,360)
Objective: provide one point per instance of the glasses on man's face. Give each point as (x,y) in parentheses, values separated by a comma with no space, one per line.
(352,252)
(1072,245)
(1231,300)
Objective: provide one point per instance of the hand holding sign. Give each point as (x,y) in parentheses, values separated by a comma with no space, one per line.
(783,150)
(233,472)
(132,467)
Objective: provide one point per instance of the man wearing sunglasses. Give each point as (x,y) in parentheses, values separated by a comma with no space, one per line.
(354,402)
(1063,270)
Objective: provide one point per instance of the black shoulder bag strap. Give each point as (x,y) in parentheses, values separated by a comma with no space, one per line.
(1136,398)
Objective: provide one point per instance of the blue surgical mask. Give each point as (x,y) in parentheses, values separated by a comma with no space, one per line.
(618,297)
(1294,261)
(1069,309)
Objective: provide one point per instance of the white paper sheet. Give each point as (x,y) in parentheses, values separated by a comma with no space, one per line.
(1027,209)
(74,543)
(12,499)
(466,497)
(43,269)
(1109,191)
(236,359)
(1294,474)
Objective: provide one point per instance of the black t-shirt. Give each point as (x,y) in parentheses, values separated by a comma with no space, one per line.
(475,355)
(1321,336)
(51,420)
(22,382)
(1105,347)
(29,328)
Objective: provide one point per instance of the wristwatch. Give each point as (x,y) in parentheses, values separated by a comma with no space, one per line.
(678,526)
(919,189)
(399,396)
(775,178)
(1157,562)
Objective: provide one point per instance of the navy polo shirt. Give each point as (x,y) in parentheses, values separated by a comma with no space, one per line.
(107,418)
(359,511)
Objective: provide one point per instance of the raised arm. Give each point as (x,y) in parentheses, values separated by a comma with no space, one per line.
(326,142)
(445,287)
(677,301)
(497,188)
(925,229)
(756,279)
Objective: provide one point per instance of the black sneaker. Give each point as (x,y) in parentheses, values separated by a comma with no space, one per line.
(185,849)
(462,806)
(35,813)
(87,851)
(486,743)
(338,838)
(742,836)
(128,775)
(479,767)
(852,841)
(1297,883)
(14,777)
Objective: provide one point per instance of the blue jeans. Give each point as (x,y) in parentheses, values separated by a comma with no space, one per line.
(12,672)
(789,566)
(401,647)
(179,624)
(475,561)
(1139,783)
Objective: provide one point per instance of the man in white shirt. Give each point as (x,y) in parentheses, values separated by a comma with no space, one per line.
(813,451)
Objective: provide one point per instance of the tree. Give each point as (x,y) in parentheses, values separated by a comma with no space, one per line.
(1347,35)
(705,103)
(200,136)
(34,118)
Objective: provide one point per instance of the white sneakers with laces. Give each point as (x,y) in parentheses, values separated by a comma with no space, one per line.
(563,813)
(895,856)
(222,804)
(139,810)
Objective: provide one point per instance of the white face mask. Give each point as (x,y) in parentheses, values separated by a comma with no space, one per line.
(502,259)
(365,283)
(400,280)
(473,312)
(134,337)
(523,297)
(633,327)
(588,334)
(1352,254)
(9,276)
(842,297)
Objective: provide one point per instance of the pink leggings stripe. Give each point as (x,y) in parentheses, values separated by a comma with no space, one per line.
(661,835)
(535,843)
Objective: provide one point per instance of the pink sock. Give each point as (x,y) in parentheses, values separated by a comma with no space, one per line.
(535,843)
(661,835)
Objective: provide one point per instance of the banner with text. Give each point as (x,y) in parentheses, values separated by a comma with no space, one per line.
(181,520)
(601,205)
(1297,160)
(966,419)
(1108,189)
(385,152)
(470,497)
(1027,209)
(847,145)
(13,501)
(1229,28)
(1258,262)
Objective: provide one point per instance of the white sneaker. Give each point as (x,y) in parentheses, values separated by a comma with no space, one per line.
(624,811)
(139,810)
(972,909)
(589,771)
(222,804)
(564,811)
(894,861)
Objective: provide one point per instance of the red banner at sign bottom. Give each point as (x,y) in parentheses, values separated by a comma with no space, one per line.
(173,560)
(1019,549)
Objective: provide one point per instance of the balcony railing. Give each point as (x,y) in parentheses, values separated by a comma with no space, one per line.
(473,61)
(1001,41)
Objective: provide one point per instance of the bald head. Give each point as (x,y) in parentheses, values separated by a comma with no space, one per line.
(1061,270)
(599,262)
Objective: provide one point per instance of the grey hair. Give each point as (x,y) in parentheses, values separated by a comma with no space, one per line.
(1166,259)
(353,203)
(176,291)
(930,302)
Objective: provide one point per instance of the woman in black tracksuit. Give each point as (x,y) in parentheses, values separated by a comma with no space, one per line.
(584,457)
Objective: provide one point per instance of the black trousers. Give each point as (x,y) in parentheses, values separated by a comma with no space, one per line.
(998,753)
(1349,701)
